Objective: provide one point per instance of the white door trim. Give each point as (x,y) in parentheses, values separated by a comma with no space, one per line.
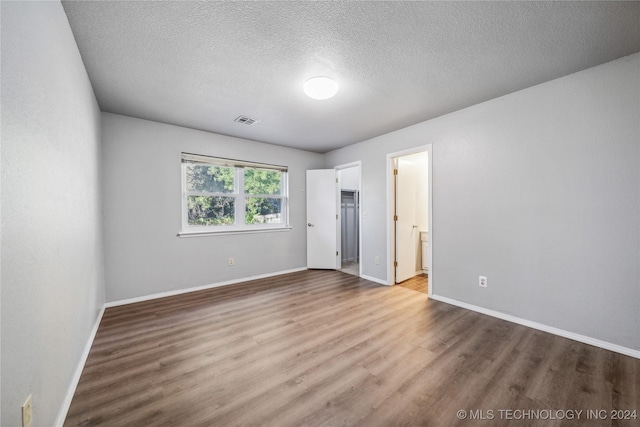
(390,210)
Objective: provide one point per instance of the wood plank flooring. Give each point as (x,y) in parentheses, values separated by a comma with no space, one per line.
(419,282)
(326,348)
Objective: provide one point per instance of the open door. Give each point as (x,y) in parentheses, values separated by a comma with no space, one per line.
(406,229)
(321,219)
(409,197)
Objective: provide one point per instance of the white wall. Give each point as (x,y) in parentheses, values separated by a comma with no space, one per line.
(422,190)
(142,199)
(350,178)
(538,190)
(52,261)
(422,203)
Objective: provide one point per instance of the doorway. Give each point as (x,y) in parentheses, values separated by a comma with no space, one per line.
(349,233)
(409,211)
(349,228)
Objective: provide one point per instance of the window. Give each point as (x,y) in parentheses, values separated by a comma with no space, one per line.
(222,195)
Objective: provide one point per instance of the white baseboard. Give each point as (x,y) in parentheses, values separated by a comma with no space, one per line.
(62,414)
(375,279)
(541,327)
(198,288)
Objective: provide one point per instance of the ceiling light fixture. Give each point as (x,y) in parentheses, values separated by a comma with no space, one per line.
(320,87)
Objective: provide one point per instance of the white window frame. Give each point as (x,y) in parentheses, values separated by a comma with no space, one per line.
(238,194)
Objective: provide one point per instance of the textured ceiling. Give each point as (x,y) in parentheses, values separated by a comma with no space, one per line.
(202,64)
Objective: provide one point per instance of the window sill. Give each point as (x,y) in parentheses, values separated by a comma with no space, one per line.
(189,234)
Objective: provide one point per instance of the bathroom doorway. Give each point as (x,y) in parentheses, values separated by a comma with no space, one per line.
(409,206)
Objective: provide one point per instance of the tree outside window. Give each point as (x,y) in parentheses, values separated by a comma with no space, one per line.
(222,195)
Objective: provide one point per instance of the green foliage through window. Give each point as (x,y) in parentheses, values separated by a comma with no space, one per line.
(233,196)
(262,210)
(210,179)
(261,181)
(206,210)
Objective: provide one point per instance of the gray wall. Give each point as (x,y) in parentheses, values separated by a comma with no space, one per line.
(538,190)
(142,199)
(52,260)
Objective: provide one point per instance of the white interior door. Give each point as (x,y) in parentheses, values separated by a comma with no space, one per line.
(321,219)
(406,225)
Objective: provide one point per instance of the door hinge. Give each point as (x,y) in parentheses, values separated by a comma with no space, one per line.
(395,171)
(336,179)
(336,216)
(395,263)
(336,253)
(395,217)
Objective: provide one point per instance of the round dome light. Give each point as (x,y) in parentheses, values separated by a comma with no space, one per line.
(320,87)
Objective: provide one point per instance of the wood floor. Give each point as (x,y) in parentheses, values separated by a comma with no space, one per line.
(418,283)
(327,348)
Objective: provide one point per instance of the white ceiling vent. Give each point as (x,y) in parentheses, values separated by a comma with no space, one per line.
(245,120)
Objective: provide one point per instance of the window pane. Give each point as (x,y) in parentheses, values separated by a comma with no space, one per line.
(206,210)
(210,179)
(262,210)
(261,181)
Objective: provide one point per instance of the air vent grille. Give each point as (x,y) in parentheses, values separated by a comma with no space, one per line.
(245,120)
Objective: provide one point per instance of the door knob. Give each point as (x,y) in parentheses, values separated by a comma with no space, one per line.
(310,225)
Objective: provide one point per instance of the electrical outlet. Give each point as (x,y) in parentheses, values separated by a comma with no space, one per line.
(231,262)
(27,414)
(377,260)
(482,281)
